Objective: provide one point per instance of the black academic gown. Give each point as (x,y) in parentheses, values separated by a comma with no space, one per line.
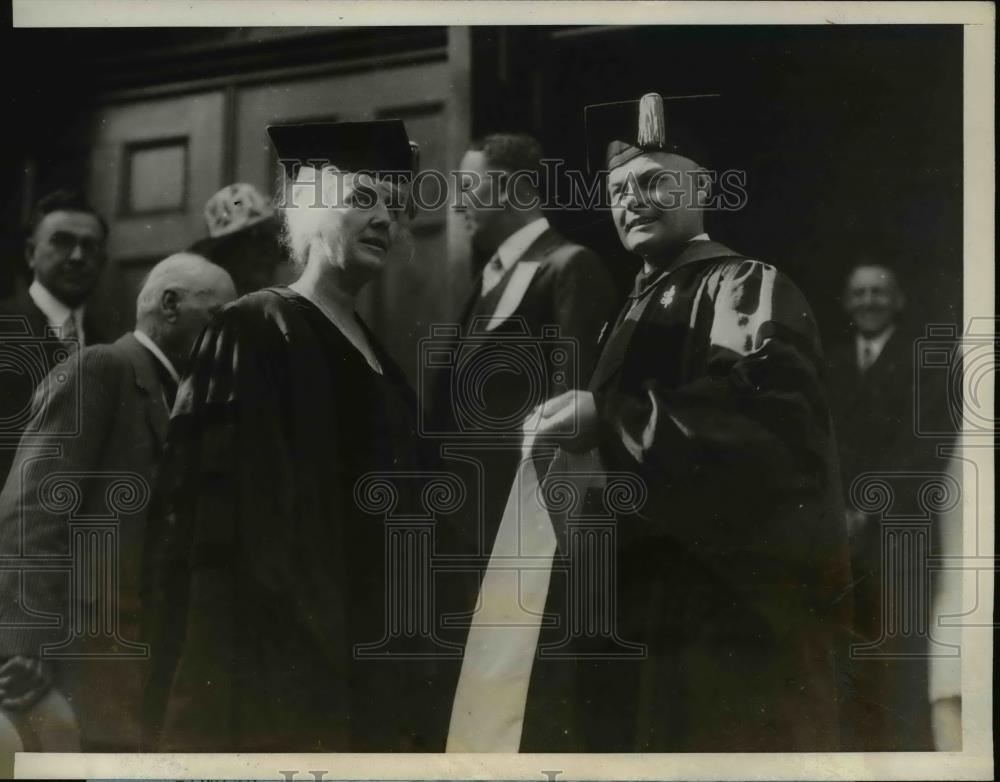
(729,576)
(268,571)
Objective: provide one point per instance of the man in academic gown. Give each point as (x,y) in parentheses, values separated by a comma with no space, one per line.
(271,573)
(729,570)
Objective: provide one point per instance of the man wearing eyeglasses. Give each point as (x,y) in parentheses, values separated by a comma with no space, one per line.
(65,251)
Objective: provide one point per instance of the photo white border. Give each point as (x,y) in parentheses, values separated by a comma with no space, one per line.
(975,761)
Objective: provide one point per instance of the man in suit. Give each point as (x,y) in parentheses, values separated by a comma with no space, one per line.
(65,251)
(98,426)
(873,387)
(529,326)
(702,616)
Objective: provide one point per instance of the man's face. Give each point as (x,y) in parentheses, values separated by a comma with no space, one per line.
(66,254)
(478,203)
(195,309)
(361,223)
(872,299)
(654,202)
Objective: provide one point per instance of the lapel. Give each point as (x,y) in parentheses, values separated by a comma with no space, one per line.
(510,291)
(38,327)
(91,332)
(616,347)
(148,381)
(888,358)
(37,322)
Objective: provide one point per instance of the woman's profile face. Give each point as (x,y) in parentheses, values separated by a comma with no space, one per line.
(361,223)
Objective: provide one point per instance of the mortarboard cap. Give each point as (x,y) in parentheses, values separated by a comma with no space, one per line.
(618,132)
(380,146)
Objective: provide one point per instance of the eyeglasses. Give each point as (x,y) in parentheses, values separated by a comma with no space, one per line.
(65,243)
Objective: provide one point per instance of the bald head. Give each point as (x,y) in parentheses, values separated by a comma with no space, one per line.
(178,298)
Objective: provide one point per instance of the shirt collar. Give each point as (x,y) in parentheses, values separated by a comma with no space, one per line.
(648,268)
(876,343)
(54,310)
(145,340)
(514,246)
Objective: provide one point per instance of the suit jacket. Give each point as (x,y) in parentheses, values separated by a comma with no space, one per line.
(533,336)
(101,420)
(874,413)
(25,344)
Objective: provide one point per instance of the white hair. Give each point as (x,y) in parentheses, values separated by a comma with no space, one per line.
(304,209)
(186,273)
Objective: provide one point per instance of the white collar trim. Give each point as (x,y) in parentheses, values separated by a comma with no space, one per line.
(146,341)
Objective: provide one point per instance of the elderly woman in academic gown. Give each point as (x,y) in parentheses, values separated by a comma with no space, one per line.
(268,573)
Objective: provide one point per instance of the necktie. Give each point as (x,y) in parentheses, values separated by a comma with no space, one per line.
(492,274)
(70,331)
(867,356)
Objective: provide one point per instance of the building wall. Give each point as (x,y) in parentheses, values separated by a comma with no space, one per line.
(151,155)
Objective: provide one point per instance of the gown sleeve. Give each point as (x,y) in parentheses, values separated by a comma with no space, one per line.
(223,456)
(745,434)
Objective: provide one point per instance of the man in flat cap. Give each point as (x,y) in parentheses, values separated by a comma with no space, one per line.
(708,390)
(270,571)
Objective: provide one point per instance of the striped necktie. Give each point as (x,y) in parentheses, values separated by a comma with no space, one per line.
(70,330)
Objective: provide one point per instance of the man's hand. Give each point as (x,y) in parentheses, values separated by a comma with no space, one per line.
(568,420)
(23,682)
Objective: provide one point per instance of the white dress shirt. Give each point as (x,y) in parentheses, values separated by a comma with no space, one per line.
(510,251)
(54,310)
(872,345)
(146,341)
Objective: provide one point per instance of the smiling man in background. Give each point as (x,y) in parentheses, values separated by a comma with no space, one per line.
(65,252)
(873,389)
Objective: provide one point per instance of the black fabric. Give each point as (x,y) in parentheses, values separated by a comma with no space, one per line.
(30,354)
(878,415)
(730,577)
(268,571)
(612,130)
(379,146)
